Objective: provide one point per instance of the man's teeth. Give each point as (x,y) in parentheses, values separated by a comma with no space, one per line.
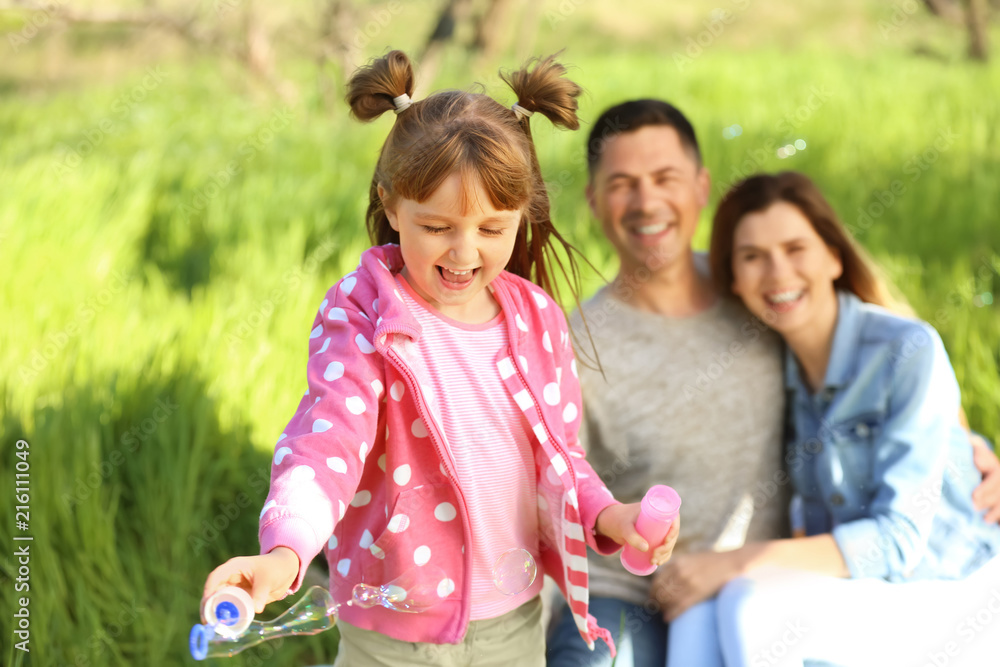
(654,228)
(785,297)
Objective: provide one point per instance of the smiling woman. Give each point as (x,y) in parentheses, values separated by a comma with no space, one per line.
(875,452)
(783,268)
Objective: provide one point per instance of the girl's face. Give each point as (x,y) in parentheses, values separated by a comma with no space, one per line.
(783,270)
(454,244)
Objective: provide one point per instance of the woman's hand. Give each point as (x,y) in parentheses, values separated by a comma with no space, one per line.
(690,578)
(987,494)
(617,522)
(266,578)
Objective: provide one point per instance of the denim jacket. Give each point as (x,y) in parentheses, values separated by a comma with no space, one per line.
(877,456)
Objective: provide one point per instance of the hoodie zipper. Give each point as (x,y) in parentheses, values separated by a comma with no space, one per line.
(446,462)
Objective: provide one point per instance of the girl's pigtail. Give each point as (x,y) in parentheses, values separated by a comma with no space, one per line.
(371,91)
(372,88)
(540,87)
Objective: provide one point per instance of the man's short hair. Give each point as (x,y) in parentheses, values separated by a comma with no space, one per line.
(630,117)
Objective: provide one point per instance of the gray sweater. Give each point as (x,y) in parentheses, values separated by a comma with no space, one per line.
(695,403)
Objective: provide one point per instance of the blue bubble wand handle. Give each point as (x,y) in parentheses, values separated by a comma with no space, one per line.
(231,627)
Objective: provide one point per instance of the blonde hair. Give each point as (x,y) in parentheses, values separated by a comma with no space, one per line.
(473,134)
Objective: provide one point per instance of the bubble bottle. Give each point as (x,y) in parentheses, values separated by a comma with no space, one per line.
(658,510)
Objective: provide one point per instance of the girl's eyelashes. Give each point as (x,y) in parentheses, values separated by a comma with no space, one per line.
(439,230)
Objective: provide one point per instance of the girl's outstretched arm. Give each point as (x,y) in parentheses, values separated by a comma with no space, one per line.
(320,457)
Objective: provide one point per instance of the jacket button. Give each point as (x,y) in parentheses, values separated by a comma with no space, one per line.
(862,430)
(837,499)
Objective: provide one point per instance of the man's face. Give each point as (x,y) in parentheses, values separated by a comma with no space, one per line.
(648,192)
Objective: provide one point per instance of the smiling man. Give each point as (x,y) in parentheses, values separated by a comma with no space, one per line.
(691,392)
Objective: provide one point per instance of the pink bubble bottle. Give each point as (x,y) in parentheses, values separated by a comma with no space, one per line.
(659,507)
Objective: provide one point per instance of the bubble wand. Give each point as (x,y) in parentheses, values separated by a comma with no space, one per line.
(229,612)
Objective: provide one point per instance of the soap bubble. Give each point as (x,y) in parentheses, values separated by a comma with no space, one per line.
(414,591)
(514,571)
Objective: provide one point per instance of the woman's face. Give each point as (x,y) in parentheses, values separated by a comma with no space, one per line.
(783,270)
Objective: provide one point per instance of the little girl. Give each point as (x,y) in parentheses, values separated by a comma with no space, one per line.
(439,430)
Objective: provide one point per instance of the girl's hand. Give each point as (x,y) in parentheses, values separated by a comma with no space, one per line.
(266,578)
(617,522)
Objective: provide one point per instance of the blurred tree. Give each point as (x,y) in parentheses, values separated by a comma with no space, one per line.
(490,27)
(453,13)
(974,14)
(487,29)
(250,46)
(946,9)
(338,22)
(977,18)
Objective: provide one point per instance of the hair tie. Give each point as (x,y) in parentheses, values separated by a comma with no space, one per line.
(402,103)
(521,111)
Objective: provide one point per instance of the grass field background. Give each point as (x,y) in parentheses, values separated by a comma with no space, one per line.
(168,228)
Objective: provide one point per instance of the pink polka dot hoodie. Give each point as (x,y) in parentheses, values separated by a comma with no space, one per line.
(362,472)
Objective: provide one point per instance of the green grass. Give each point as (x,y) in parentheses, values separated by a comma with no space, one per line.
(162,273)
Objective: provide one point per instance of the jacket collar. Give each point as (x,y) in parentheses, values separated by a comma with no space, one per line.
(840,370)
(390,314)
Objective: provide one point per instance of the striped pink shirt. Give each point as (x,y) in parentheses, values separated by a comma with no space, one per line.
(487,437)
